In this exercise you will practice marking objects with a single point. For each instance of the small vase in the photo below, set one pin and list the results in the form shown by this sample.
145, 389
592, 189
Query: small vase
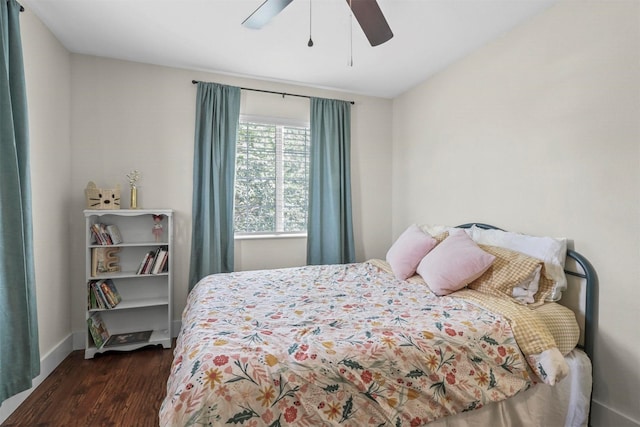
133, 202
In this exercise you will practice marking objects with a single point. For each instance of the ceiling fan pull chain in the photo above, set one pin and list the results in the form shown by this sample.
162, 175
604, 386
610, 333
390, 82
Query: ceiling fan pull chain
310, 43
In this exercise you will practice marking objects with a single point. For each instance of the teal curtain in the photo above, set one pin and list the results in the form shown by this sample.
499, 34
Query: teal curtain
217, 116
19, 352
329, 225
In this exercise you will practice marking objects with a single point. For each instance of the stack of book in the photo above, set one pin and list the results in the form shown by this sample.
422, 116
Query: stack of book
155, 262
102, 294
106, 234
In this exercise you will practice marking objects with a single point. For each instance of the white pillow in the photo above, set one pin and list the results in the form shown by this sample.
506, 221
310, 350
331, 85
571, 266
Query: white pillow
552, 251
436, 229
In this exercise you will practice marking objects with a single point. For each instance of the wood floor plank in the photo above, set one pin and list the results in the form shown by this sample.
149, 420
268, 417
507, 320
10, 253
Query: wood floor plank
112, 389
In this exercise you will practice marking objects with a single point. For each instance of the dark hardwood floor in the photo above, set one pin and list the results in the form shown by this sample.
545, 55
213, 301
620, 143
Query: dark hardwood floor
112, 389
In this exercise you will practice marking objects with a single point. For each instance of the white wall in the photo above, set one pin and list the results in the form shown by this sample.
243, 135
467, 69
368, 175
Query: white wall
127, 115
47, 74
539, 132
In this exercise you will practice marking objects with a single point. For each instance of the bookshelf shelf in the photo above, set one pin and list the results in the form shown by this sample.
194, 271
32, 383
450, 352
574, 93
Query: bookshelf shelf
125, 274
125, 245
125, 302
135, 303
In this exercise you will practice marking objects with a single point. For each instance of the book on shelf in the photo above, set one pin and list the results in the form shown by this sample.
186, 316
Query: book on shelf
97, 329
145, 262
103, 294
114, 234
100, 234
110, 292
106, 234
165, 264
128, 338
95, 298
95, 233
102, 339
154, 262
160, 261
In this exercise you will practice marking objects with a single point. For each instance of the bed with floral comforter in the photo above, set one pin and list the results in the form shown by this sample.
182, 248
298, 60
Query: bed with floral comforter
335, 345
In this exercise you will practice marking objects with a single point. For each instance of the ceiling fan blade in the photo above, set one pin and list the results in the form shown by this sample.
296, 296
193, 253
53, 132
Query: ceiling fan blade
265, 13
371, 20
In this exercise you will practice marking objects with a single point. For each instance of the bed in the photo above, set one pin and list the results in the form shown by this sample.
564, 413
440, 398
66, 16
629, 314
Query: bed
361, 344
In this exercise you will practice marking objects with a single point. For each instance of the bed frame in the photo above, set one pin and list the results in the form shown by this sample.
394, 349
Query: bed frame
583, 303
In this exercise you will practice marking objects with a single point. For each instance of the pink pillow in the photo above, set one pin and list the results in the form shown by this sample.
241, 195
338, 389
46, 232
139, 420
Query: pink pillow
454, 263
407, 251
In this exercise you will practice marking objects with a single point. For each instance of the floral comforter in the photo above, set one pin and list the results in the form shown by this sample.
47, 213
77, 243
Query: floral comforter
335, 345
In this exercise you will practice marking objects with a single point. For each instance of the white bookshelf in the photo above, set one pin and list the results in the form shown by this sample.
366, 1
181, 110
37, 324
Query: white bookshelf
146, 298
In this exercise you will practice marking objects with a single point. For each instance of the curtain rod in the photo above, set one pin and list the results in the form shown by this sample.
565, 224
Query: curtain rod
270, 91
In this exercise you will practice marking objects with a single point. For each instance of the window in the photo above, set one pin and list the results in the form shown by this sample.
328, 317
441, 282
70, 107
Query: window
272, 176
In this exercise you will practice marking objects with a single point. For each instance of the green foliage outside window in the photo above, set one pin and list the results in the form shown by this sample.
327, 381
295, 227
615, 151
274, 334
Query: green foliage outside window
272, 168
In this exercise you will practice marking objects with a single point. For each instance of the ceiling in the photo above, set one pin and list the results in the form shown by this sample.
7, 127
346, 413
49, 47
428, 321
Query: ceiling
207, 35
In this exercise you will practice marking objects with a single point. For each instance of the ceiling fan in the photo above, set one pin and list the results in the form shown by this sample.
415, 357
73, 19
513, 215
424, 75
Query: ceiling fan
367, 13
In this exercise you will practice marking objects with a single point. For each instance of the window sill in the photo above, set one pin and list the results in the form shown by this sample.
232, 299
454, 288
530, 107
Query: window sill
264, 236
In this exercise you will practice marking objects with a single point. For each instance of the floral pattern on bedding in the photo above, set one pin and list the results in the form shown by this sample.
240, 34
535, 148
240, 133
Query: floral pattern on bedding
334, 345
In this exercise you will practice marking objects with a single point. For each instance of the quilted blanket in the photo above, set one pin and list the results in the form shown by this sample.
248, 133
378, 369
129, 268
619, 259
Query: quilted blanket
335, 345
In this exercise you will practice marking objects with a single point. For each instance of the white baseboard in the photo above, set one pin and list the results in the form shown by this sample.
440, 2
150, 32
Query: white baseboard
48, 363
604, 416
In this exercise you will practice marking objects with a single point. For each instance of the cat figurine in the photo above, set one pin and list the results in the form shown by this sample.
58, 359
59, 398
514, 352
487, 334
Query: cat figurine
102, 198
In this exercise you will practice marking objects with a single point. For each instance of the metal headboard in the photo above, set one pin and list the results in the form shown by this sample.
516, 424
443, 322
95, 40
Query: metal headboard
589, 275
